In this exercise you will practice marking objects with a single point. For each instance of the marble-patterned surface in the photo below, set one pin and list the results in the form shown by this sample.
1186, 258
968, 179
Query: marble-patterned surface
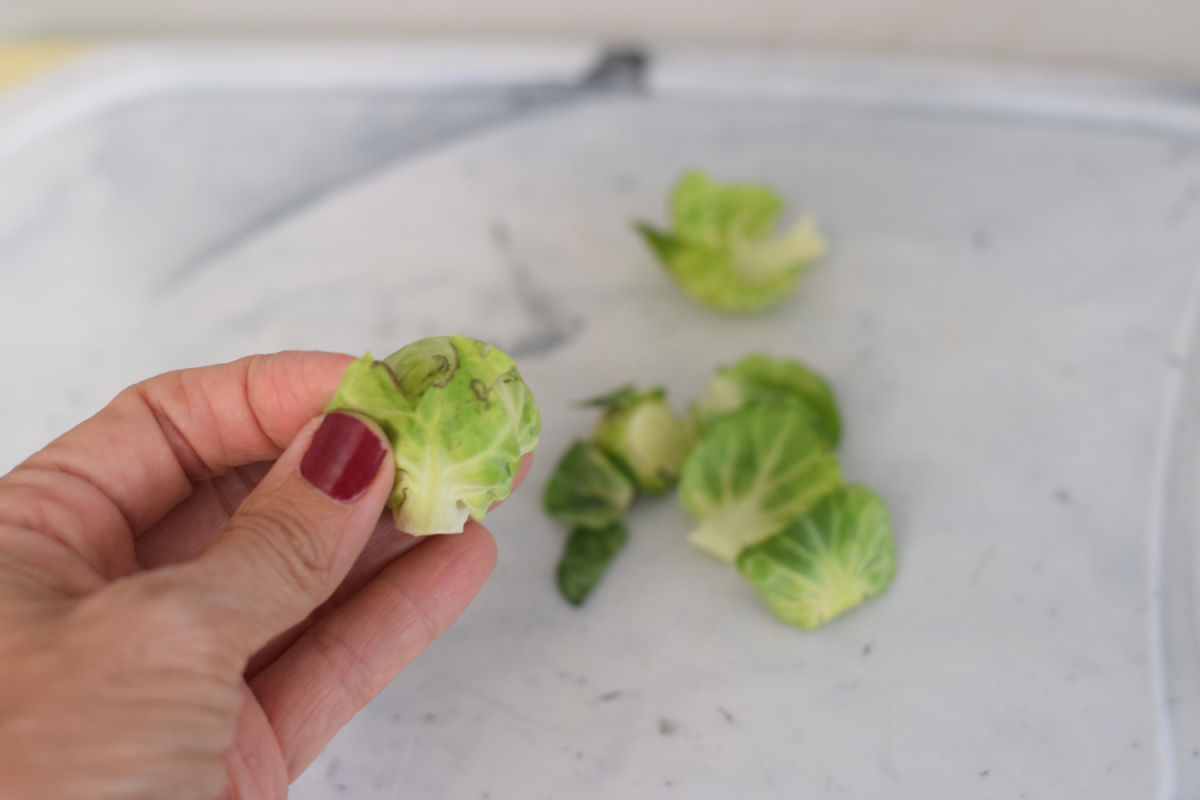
1003, 316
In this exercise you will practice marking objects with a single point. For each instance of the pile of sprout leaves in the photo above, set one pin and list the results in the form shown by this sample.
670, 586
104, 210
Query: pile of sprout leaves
755, 466
754, 461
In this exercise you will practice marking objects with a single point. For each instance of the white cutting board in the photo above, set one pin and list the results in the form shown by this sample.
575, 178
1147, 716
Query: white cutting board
1005, 315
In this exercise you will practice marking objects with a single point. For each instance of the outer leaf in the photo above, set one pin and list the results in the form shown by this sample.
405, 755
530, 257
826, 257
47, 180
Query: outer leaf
713, 214
645, 437
827, 562
459, 418
771, 381
368, 386
587, 489
625, 397
588, 553
722, 251
754, 472
665, 245
766, 261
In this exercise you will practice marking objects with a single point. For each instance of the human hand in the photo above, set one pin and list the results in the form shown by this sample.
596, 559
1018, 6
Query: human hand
179, 618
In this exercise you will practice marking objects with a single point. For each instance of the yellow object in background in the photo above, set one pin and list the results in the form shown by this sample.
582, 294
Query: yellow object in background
22, 61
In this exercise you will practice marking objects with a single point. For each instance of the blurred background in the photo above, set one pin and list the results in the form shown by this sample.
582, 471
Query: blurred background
1153, 37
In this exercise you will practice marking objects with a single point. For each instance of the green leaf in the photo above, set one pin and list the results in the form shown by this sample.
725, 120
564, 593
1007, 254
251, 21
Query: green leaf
664, 245
645, 437
588, 553
755, 471
623, 398
587, 488
771, 381
459, 418
715, 214
723, 251
827, 562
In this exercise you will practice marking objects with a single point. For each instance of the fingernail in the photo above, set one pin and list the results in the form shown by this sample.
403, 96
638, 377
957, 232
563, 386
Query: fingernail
343, 457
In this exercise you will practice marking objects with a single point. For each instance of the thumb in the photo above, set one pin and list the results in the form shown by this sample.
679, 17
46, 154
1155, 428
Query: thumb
295, 537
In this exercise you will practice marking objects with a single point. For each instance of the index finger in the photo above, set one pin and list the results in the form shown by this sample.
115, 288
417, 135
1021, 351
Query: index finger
146, 448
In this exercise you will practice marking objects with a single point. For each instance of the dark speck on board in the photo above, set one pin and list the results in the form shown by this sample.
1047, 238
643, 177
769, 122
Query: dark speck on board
726, 715
500, 235
866, 649
333, 767
1183, 205
667, 727
429, 716
984, 773
608, 697
1063, 496
543, 342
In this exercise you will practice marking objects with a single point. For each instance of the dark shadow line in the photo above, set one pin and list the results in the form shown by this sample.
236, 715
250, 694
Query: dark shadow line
616, 72
259, 223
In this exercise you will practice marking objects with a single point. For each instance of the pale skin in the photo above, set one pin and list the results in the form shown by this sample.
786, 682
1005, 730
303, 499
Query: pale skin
182, 614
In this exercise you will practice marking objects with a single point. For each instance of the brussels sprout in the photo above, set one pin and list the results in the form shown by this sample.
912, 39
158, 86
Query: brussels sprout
587, 556
755, 471
826, 562
644, 436
774, 381
587, 488
458, 416
722, 250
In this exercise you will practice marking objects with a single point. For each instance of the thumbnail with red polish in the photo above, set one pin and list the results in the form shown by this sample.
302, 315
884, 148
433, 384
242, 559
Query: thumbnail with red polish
343, 457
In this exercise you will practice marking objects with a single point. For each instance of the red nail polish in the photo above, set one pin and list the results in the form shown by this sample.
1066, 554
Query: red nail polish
343, 457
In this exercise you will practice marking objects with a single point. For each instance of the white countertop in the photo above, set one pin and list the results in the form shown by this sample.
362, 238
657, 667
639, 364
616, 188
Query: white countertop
1005, 316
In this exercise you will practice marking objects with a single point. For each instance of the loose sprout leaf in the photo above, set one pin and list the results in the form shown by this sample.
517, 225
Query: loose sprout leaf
664, 245
752, 473
587, 489
588, 553
771, 381
826, 562
713, 214
723, 250
761, 261
459, 418
645, 437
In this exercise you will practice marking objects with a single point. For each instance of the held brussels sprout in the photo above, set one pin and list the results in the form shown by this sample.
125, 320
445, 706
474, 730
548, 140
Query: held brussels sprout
587, 489
755, 471
587, 556
644, 436
826, 562
723, 251
458, 416
773, 381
